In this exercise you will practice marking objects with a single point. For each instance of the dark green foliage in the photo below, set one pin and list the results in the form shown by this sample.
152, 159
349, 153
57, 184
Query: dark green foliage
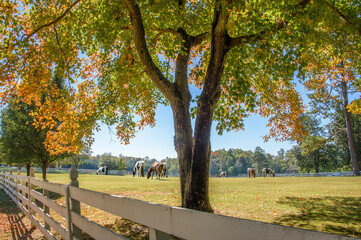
338, 129
112, 162
18, 136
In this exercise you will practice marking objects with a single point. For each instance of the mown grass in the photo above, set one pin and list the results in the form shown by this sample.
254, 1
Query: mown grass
328, 204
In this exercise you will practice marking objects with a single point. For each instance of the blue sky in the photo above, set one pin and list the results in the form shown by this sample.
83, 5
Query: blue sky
157, 142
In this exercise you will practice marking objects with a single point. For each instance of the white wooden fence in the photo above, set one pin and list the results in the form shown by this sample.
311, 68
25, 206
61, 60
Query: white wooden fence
162, 220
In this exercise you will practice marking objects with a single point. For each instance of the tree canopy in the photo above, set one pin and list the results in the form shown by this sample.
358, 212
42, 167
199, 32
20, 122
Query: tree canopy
123, 58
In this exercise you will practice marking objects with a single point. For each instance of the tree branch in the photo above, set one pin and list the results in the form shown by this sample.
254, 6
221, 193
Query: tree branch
62, 50
199, 38
57, 40
52, 22
219, 48
259, 36
154, 73
342, 16
162, 31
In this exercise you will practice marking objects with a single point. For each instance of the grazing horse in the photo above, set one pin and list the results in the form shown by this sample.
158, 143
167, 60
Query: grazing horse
103, 170
251, 172
139, 166
268, 171
223, 174
164, 172
156, 167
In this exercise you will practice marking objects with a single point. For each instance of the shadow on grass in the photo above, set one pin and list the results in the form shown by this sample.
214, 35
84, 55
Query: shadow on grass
339, 215
11, 214
128, 229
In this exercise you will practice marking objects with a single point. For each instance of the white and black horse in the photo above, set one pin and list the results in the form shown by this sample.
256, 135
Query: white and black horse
268, 171
223, 174
103, 171
139, 166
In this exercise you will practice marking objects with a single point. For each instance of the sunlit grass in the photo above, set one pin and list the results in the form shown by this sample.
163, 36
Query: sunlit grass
330, 204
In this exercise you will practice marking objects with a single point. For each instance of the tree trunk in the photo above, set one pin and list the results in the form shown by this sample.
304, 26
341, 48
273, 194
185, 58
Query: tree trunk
351, 144
317, 162
193, 156
183, 142
194, 169
28, 166
197, 194
44, 167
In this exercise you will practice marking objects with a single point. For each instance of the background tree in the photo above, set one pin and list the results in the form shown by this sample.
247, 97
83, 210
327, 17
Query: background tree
332, 82
242, 55
291, 161
172, 166
90, 163
112, 162
278, 163
24, 136
259, 160
337, 129
312, 149
77, 159
316, 152
17, 135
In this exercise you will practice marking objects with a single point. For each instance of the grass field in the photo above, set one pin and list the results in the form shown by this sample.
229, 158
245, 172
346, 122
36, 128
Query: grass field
328, 204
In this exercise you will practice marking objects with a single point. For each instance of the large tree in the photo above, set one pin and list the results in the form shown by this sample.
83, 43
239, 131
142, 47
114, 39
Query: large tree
23, 137
128, 56
337, 129
17, 135
337, 81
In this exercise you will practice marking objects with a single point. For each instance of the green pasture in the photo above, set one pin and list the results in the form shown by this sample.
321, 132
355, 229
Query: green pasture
328, 204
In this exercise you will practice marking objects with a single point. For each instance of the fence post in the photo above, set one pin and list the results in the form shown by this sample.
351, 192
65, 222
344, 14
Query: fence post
10, 180
158, 235
75, 205
30, 198
45, 207
18, 191
68, 211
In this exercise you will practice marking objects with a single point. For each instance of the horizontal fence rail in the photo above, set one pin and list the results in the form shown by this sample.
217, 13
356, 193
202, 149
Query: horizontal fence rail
162, 220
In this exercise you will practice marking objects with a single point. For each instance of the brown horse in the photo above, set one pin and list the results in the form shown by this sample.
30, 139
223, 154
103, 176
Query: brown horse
156, 167
251, 172
268, 171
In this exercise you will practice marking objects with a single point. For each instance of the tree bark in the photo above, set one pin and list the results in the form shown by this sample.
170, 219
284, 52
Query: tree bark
28, 166
196, 195
44, 167
351, 144
183, 142
317, 161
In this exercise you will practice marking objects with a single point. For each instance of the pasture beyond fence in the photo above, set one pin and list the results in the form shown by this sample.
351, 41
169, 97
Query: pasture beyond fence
125, 172
162, 220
